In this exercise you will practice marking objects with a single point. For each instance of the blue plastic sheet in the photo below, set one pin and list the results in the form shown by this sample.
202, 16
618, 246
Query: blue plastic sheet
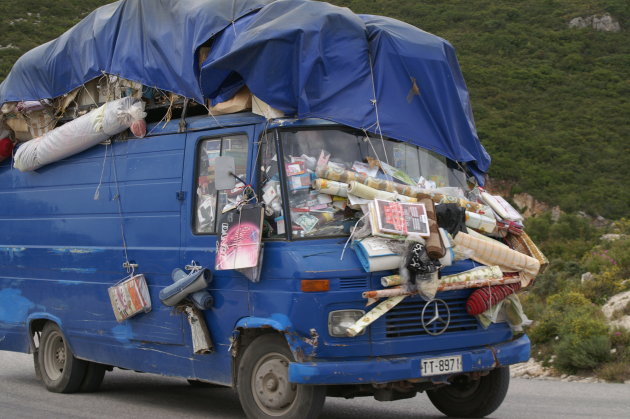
150, 41
306, 58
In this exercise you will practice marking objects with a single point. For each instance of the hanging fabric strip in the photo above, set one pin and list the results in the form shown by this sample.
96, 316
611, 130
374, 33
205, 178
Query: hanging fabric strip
374, 315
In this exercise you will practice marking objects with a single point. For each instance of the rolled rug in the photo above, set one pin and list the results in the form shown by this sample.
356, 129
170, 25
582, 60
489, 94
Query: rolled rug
479, 274
347, 176
440, 198
498, 254
367, 192
330, 187
483, 298
374, 315
391, 280
524, 244
340, 175
480, 222
202, 300
454, 282
434, 245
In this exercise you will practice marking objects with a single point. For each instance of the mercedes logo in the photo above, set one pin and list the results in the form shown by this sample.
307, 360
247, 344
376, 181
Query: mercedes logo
435, 317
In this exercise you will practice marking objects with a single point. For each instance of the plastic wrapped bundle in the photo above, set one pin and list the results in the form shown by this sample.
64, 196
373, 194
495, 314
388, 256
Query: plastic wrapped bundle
80, 134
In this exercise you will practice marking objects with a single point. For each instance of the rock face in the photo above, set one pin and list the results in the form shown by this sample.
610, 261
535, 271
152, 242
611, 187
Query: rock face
528, 205
611, 237
605, 23
616, 305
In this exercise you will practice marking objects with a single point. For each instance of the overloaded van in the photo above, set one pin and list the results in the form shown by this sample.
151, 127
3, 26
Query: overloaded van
277, 332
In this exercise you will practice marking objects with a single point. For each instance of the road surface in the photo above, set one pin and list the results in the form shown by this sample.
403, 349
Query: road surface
126, 394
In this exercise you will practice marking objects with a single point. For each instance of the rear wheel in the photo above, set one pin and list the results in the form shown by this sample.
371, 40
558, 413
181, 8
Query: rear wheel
203, 384
468, 398
60, 371
94, 374
264, 388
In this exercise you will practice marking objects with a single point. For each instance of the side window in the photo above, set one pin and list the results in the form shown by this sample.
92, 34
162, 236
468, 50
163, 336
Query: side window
209, 203
274, 226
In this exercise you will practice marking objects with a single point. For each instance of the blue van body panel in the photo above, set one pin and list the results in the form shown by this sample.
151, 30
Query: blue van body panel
62, 247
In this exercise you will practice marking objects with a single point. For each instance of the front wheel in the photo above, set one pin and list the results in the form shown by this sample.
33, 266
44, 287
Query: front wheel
263, 383
468, 398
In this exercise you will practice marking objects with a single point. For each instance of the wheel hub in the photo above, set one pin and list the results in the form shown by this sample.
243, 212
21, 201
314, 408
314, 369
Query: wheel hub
60, 356
271, 384
55, 356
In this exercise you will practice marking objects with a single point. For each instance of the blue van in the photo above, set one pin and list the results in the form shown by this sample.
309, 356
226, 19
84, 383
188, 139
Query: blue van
355, 89
280, 342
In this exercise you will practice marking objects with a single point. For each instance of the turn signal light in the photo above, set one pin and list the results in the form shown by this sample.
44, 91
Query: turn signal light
315, 285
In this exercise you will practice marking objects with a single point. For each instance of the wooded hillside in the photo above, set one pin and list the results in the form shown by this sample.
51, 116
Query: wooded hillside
551, 102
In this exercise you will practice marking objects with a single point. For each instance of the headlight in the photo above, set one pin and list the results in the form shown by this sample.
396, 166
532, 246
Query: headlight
339, 321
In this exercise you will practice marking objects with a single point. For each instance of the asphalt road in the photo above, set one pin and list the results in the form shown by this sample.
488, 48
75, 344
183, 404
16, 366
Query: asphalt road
126, 394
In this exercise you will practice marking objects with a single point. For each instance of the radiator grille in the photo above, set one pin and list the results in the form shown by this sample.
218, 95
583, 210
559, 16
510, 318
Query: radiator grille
405, 319
353, 283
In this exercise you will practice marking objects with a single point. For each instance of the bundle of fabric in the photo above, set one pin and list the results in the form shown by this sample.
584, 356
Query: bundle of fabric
483, 298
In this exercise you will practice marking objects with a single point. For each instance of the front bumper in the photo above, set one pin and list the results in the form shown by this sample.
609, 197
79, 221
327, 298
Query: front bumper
386, 369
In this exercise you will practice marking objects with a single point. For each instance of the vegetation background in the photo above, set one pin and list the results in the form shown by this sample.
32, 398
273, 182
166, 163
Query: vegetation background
552, 107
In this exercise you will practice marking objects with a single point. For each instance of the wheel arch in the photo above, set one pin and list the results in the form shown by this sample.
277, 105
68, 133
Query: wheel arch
36, 322
247, 329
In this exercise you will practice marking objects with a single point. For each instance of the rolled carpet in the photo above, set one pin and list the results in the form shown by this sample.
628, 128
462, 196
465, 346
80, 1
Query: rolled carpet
434, 245
483, 298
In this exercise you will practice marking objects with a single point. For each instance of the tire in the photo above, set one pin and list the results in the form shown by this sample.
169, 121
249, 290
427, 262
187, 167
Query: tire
203, 384
38, 370
263, 386
466, 398
94, 374
60, 371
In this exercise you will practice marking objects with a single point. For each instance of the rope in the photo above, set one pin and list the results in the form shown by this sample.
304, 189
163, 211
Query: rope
120, 213
375, 103
354, 229
97, 193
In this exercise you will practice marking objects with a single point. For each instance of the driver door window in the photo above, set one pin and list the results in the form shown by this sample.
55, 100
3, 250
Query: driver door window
208, 201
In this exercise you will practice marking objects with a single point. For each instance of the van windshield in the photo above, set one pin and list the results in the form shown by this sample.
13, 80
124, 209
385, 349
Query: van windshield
317, 214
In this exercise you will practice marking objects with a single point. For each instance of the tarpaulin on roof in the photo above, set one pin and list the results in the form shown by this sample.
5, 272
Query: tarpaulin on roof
149, 41
307, 58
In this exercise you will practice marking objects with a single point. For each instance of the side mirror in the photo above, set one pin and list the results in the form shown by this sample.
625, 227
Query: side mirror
224, 170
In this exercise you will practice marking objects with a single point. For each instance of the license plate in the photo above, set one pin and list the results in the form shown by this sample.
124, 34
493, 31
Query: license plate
441, 365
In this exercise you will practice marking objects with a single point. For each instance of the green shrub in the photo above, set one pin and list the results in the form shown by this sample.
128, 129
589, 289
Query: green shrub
560, 276
568, 313
616, 372
574, 354
620, 343
602, 286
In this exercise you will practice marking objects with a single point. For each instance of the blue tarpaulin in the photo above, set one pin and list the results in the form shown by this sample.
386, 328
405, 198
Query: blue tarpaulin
306, 58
